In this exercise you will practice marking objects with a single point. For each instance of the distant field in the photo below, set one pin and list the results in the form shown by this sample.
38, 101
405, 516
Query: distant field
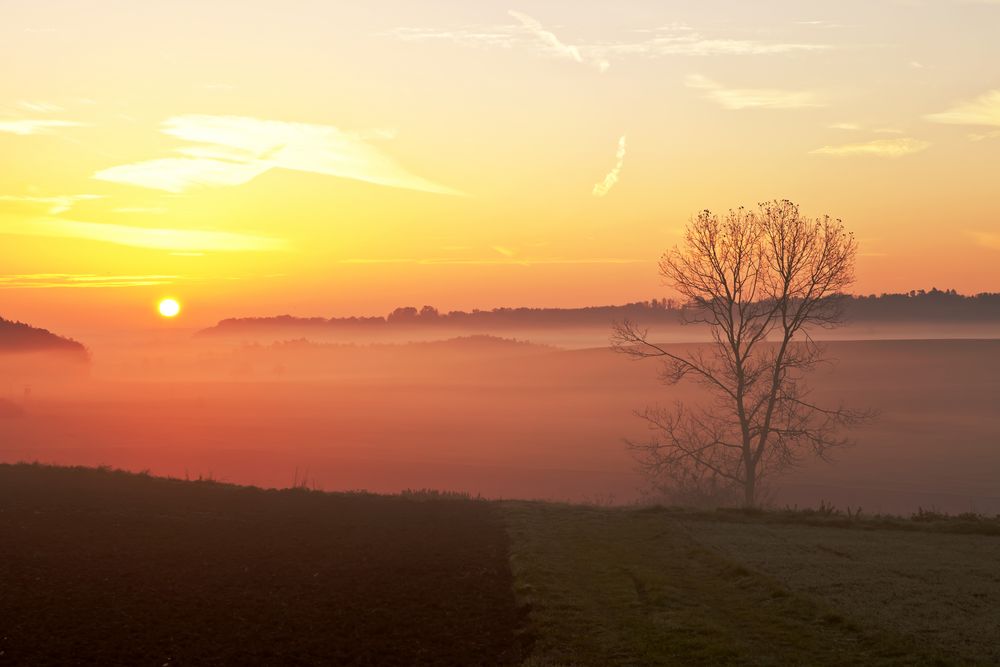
100, 567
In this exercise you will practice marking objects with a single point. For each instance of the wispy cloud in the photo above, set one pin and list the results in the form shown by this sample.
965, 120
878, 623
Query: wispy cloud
513, 261
889, 148
528, 33
180, 174
982, 136
682, 40
986, 239
753, 98
150, 210
26, 126
218, 87
984, 110
821, 23
51, 205
38, 107
602, 188
77, 280
503, 250
546, 38
233, 150
858, 127
180, 240
665, 41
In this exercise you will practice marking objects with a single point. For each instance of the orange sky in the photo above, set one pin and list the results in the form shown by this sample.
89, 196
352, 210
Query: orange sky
256, 158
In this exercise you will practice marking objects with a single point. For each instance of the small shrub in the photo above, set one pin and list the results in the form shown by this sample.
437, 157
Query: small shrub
434, 494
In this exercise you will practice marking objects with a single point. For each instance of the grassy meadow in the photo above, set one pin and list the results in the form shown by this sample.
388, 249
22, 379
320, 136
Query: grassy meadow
673, 587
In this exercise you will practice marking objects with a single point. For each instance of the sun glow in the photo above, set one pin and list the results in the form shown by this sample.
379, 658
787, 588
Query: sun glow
169, 307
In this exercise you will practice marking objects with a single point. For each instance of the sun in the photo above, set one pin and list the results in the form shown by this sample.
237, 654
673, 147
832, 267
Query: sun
169, 307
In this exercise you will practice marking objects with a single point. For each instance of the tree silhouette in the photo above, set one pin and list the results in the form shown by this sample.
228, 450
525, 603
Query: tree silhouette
761, 280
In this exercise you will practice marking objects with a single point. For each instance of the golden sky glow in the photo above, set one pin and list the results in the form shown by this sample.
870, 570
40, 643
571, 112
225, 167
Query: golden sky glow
327, 158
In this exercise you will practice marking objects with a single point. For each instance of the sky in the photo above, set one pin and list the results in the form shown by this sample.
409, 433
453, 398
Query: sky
318, 158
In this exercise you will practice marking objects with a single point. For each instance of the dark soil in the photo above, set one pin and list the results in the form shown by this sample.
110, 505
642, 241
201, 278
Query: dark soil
102, 567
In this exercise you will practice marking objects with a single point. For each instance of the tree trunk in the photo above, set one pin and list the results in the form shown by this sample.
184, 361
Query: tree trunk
750, 486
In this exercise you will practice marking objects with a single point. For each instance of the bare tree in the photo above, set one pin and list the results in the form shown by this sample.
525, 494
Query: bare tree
762, 281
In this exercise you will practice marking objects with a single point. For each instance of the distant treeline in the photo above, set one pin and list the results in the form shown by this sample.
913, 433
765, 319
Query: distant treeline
924, 306
20, 337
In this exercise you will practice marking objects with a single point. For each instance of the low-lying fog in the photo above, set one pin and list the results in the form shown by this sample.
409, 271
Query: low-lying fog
488, 415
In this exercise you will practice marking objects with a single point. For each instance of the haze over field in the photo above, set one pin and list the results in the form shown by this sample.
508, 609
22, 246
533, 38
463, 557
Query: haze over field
489, 415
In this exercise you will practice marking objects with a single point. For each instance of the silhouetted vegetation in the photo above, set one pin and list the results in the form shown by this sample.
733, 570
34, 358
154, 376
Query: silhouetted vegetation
933, 306
759, 280
472, 344
20, 337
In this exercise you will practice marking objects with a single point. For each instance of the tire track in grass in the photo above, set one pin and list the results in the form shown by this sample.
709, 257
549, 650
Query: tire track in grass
627, 587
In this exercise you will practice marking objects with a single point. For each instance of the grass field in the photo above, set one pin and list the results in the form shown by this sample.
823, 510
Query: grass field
655, 586
941, 589
103, 567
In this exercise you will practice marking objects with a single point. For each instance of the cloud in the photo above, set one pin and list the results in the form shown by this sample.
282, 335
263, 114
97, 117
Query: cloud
855, 126
528, 33
822, 23
986, 239
180, 174
602, 188
26, 126
982, 136
232, 150
752, 98
890, 148
548, 39
506, 252
218, 87
52, 205
515, 261
38, 107
56, 280
151, 210
984, 110
502, 36
181, 240
666, 41
681, 40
